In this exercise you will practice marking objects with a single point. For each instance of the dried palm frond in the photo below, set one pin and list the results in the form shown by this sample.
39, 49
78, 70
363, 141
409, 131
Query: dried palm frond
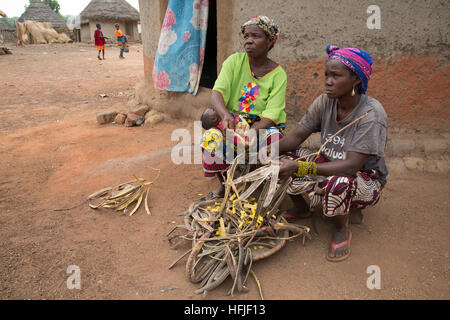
123, 196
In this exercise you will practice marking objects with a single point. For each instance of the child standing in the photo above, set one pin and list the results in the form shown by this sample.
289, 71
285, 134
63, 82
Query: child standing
99, 41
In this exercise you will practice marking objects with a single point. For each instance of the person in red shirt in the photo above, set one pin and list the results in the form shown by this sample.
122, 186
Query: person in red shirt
100, 41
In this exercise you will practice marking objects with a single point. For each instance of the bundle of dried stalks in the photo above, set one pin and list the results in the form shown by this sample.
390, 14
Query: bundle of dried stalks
123, 196
39, 33
22, 34
229, 234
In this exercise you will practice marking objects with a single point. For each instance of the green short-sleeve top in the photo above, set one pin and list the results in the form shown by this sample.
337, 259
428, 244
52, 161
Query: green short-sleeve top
243, 93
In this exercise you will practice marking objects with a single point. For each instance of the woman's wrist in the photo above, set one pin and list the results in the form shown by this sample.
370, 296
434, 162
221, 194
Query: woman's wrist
264, 123
293, 166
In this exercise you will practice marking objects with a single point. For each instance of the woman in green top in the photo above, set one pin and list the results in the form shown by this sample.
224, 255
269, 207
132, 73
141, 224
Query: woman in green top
252, 86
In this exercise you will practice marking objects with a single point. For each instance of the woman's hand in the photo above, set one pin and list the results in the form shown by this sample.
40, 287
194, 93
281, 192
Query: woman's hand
218, 105
288, 168
228, 122
264, 123
251, 139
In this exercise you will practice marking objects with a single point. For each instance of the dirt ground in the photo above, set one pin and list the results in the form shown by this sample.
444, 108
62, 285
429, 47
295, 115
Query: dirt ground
54, 155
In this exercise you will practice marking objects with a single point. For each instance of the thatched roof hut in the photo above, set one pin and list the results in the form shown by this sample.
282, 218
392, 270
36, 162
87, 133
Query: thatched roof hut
117, 10
107, 13
39, 11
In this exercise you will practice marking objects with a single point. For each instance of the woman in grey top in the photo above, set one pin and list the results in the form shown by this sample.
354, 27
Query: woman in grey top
351, 171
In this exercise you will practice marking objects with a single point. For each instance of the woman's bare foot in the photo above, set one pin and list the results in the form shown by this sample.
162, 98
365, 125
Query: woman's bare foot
300, 210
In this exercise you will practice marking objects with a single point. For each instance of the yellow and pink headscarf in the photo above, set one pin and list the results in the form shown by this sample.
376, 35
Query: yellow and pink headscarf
267, 25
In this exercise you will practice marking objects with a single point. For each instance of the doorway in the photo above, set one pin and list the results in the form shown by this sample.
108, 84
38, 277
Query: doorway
129, 30
209, 71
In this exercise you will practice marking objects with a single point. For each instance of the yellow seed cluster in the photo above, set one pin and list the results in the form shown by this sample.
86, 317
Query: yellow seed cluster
257, 247
245, 218
245, 211
221, 231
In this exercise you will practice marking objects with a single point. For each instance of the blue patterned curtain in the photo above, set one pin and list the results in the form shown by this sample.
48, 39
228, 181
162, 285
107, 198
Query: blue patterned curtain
181, 48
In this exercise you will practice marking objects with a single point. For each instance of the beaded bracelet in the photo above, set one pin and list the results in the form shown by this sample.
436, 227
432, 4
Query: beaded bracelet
306, 169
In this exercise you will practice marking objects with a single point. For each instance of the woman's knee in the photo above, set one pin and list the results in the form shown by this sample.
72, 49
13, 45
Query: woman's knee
336, 185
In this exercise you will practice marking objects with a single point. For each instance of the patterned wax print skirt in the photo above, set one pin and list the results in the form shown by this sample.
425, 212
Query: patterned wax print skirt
337, 194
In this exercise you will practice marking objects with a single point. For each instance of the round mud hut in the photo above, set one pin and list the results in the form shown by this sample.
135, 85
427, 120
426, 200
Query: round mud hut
7, 33
40, 12
108, 13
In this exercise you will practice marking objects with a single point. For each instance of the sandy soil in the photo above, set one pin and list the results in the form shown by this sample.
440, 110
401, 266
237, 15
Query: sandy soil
54, 155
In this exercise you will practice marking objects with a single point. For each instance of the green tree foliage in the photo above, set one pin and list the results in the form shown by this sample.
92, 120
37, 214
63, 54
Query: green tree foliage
53, 4
11, 21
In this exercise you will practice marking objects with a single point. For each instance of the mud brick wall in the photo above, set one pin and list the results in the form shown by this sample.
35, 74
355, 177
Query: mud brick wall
411, 49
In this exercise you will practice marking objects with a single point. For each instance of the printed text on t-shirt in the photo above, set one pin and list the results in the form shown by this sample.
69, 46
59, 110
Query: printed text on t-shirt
332, 152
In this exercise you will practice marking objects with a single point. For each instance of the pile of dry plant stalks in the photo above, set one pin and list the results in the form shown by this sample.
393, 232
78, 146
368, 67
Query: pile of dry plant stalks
122, 197
231, 233
33, 32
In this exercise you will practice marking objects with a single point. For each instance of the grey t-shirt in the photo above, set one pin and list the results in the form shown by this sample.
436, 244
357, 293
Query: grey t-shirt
368, 135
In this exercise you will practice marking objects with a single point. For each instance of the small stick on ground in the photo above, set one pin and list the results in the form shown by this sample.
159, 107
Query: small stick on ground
257, 283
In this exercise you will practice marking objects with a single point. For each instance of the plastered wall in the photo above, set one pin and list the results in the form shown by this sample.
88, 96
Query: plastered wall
411, 49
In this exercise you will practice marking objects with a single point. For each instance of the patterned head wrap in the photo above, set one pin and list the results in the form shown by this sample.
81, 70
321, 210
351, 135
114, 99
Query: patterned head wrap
357, 60
267, 25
